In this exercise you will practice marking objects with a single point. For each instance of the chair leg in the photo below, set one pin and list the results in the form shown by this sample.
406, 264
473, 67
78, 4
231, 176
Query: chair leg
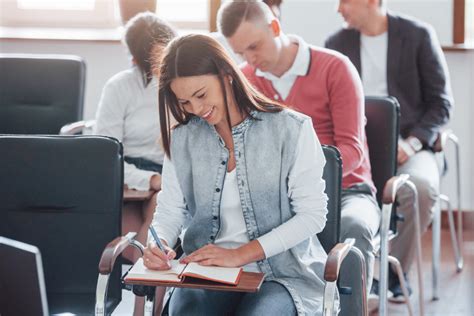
363, 269
101, 293
436, 255
383, 278
398, 269
330, 307
452, 230
149, 309
459, 260
418, 248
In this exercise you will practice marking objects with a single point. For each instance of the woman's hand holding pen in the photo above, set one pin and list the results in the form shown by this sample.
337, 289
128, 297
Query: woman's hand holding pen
154, 258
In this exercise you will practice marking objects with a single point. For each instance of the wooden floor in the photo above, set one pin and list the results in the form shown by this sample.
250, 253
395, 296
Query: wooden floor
456, 294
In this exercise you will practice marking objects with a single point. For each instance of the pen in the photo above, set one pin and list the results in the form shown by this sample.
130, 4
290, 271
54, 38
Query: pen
157, 239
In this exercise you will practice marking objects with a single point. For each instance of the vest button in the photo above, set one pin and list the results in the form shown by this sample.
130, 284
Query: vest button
218, 190
214, 217
223, 162
212, 237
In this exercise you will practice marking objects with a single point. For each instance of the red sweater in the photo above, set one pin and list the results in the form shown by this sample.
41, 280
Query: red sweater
331, 94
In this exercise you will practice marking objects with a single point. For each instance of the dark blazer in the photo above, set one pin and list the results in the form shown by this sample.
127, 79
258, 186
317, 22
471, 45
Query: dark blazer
417, 74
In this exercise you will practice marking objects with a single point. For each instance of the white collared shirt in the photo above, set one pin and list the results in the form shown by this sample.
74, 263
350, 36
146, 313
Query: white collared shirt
299, 67
128, 111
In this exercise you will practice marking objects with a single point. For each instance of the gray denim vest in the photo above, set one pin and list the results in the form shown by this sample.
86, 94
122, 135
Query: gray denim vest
265, 147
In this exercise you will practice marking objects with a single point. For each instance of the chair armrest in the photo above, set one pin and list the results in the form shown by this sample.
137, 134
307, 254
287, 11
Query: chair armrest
331, 274
335, 258
114, 249
106, 265
392, 186
76, 127
443, 137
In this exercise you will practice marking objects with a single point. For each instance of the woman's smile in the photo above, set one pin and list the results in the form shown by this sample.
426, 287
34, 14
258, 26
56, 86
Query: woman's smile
208, 114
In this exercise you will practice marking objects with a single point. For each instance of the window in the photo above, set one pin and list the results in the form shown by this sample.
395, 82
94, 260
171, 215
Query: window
463, 21
469, 23
58, 13
188, 14
56, 5
184, 14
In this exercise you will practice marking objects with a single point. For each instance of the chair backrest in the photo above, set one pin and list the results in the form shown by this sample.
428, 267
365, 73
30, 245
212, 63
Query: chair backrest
63, 194
22, 289
382, 138
40, 93
332, 174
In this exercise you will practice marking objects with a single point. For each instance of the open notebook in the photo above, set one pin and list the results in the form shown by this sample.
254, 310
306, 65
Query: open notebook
179, 272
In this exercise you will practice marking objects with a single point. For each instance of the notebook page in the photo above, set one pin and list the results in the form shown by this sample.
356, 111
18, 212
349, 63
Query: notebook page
140, 272
217, 274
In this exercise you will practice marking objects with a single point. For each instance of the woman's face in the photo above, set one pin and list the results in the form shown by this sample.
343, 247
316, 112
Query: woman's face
203, 97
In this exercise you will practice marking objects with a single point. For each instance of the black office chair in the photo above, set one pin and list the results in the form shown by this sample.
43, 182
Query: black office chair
382, 132
338, 251
63, 194
40, 93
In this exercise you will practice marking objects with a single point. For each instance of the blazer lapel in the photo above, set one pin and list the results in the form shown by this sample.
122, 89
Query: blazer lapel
394, 49
353, 49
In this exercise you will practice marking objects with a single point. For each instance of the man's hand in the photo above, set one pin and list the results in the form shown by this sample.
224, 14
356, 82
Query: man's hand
402, 156
212, 255
405, 151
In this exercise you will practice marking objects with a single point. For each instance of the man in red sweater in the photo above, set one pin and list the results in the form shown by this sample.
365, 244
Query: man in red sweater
322, 84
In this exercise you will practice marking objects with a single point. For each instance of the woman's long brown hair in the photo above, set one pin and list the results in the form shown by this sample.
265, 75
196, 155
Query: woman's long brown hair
197, 55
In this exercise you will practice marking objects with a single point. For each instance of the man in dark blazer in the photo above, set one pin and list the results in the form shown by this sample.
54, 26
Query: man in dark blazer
401, 57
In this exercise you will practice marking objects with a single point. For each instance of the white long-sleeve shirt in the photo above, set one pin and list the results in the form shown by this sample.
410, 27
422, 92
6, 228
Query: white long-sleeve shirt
304, 179
128, 111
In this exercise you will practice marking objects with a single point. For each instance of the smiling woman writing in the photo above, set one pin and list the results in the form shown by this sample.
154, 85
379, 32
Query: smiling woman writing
243, 175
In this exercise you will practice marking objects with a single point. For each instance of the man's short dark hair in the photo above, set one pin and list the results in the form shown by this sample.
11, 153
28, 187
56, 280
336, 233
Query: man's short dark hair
233, 13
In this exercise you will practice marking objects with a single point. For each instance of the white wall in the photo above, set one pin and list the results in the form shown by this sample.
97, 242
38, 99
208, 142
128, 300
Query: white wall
312, 19
315, 19
461, 68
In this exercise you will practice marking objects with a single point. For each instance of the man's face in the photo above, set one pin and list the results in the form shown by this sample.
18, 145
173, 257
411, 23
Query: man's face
354, 12
258, 43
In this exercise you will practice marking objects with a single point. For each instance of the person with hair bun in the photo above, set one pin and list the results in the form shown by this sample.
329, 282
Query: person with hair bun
128, 110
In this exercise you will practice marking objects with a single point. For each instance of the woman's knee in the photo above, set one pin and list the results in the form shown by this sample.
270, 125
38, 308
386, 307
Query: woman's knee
185, 301
198, 302
272, 299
